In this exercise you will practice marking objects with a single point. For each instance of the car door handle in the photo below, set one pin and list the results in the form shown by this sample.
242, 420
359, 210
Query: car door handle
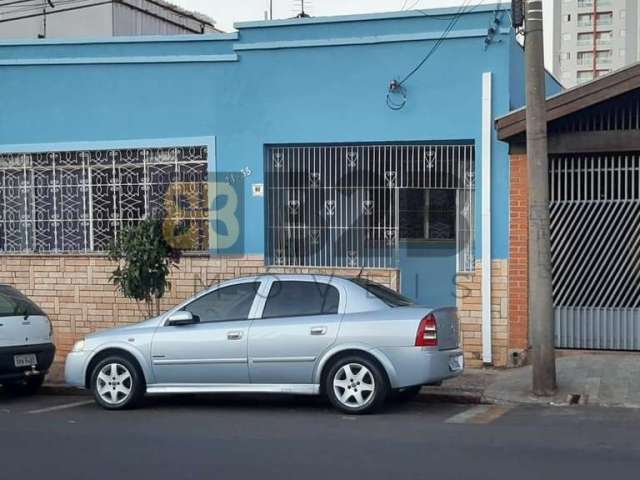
318, 330
234, 335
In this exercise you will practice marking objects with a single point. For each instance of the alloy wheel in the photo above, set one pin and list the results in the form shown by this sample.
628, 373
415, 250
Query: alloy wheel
114, 383
354, 385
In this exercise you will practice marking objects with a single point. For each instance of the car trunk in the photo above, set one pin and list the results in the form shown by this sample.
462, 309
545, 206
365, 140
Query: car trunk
24, 330
22, 322
448, 330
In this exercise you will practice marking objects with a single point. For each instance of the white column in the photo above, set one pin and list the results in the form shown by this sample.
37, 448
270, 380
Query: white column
485, 185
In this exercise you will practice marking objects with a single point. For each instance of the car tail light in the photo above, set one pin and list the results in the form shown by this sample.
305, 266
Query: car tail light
427, 335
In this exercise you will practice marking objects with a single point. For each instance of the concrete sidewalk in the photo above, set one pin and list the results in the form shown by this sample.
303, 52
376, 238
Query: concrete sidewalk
601, 379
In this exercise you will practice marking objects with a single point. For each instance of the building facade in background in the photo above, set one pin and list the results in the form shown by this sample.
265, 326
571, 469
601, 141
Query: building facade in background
593, 38
323, 169
98, 18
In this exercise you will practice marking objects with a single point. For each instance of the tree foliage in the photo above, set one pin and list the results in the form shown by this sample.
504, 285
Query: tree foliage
144, 259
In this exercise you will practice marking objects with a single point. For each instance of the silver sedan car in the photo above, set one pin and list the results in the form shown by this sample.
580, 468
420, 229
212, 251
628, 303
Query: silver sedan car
353, 340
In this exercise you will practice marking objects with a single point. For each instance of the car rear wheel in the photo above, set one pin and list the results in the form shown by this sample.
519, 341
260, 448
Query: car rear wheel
117, 383
356, 385
27, 386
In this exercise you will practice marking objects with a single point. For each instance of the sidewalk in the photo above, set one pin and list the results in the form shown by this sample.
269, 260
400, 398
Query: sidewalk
601, 379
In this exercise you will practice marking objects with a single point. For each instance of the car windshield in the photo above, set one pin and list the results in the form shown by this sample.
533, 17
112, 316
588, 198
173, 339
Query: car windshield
14, 303
388, 296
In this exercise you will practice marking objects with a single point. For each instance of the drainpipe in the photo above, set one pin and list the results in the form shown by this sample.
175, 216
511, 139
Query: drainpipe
486, 217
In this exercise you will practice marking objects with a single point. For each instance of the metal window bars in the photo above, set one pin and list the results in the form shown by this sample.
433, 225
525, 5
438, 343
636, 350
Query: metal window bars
76, 201
337, 205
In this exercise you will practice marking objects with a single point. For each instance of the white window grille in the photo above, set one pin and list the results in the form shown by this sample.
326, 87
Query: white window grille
77, 201
338, 205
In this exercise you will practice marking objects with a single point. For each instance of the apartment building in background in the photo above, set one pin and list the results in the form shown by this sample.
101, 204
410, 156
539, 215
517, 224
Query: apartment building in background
593, 38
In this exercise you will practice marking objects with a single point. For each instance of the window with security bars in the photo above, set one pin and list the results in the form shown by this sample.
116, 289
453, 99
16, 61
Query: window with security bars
77, 201
340, 205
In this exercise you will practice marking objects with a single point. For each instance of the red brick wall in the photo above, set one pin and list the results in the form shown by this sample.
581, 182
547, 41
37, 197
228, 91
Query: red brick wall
518, 255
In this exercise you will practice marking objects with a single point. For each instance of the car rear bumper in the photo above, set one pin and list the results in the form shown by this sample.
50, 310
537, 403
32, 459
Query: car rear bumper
422, 365
44, 353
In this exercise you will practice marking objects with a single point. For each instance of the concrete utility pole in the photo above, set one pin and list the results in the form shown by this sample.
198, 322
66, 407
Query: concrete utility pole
540, 299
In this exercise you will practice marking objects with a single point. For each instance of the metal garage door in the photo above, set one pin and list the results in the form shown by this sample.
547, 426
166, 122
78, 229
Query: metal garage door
595, 249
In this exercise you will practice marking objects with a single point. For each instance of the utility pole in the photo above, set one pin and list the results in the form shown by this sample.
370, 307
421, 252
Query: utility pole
540, 295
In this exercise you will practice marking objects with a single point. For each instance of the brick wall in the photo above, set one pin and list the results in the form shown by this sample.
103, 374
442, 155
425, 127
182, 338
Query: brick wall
76, 292
518, 255
470, 313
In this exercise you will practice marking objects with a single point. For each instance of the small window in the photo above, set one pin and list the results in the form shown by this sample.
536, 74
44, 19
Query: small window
225, 304
427, 214
388, 296
13, 303
568, 17
294, 299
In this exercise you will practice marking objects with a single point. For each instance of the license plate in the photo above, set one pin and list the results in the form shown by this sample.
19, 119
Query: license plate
456, 363
26, 360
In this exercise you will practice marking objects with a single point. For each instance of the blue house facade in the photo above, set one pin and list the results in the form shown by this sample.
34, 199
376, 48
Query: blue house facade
281, 147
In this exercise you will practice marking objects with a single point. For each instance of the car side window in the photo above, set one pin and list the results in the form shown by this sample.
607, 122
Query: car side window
293, 299
225, 304
7, 307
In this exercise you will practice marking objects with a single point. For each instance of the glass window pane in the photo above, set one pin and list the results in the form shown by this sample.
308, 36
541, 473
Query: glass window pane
290, 299
412, 213
225, 304
12, 302
442, 215
388, 296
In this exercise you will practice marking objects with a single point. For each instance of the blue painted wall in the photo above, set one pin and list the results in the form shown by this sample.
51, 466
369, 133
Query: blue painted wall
517, 78
427, 272
303, 81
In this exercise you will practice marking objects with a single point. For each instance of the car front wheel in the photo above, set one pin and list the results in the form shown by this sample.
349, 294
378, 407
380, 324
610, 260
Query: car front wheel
117, 383
356, 385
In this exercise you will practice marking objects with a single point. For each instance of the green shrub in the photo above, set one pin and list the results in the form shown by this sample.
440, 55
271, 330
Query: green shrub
144, 259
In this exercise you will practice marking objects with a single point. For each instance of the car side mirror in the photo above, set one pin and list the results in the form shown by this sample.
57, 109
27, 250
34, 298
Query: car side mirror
183, 317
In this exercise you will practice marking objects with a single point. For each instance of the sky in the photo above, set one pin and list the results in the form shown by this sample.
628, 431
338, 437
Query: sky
226, 12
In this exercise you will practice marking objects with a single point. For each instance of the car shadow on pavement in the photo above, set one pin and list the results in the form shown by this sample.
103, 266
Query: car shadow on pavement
276, 403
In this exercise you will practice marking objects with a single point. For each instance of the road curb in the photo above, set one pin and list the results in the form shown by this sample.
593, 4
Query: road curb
465, 397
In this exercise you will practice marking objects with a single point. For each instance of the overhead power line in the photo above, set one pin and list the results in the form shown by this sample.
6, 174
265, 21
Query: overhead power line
396, 87
52, 12
17, 2
452, 23
18, 9
33, 11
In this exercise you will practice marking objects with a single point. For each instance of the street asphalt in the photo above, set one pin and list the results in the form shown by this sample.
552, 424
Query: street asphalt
239, 437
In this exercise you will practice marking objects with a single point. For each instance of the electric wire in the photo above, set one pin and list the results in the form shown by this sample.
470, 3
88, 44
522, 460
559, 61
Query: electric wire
452, 23
17, 2
397, 88
33, 11
38, 7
